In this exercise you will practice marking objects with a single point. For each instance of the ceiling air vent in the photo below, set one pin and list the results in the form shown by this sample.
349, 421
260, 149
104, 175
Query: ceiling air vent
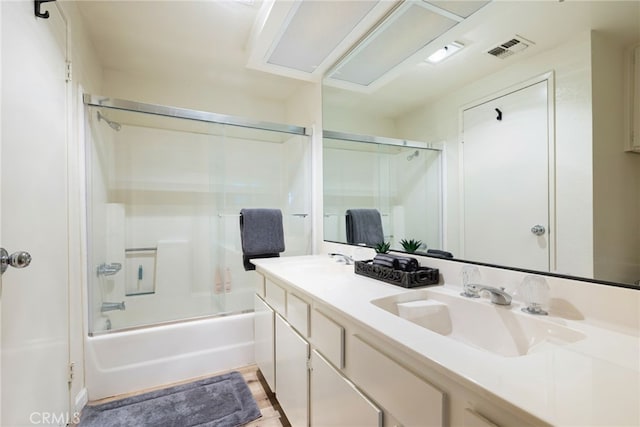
510, 47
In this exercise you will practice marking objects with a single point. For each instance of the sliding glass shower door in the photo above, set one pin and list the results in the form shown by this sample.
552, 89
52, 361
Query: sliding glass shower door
164, 196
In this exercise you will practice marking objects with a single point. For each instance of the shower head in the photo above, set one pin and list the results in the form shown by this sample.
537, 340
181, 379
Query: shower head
113, 125
412, 155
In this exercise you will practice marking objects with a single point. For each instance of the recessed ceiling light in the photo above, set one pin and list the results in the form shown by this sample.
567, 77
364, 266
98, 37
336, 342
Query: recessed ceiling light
444, 52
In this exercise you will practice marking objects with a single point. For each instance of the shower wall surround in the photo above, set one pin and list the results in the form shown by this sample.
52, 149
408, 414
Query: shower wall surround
164, 199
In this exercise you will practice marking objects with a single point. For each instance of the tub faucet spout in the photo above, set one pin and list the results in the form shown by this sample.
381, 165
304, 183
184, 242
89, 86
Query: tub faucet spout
110, 306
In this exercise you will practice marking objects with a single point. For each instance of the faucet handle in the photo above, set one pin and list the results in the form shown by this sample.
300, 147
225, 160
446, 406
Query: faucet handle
470, 290
470, 277
535, 293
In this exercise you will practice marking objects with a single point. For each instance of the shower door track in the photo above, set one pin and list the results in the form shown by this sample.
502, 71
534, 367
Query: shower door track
171, 322
184, 113
383, 140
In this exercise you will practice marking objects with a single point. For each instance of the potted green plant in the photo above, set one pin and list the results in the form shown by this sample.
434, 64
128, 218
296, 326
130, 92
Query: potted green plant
411, 245
383, 248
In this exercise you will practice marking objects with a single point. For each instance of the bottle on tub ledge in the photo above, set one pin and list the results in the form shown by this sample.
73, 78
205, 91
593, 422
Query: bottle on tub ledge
218, 284
227, 280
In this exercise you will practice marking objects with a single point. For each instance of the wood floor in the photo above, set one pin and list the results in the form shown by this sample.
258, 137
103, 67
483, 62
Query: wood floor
272, 414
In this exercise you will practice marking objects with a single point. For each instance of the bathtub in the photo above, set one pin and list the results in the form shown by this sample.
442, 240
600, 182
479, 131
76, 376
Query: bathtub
127, 361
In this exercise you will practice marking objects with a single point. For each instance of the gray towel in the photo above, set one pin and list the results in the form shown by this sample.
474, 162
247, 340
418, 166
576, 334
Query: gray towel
261, 234
439, 253
385, 260
396, 262
364, 226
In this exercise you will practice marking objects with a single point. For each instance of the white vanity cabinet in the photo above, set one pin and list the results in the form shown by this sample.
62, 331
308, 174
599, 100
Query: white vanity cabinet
307, 379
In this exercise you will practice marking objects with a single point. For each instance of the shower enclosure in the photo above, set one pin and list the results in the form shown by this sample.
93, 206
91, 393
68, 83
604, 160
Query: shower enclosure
164, 190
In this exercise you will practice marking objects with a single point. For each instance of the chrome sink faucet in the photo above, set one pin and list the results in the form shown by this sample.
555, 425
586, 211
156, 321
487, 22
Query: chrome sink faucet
342, 258
498, 295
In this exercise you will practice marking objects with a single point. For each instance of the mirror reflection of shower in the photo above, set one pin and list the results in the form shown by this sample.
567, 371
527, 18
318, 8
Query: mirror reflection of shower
412, 155
113, 125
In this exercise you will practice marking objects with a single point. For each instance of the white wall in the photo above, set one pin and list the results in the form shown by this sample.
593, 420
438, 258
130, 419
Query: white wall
571, 66
207, 95
357, 122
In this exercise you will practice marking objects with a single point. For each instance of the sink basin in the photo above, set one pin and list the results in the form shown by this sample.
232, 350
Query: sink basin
501, 330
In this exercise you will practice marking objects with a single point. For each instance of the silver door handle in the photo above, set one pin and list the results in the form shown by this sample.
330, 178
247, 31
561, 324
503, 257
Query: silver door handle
538, 230
17, 259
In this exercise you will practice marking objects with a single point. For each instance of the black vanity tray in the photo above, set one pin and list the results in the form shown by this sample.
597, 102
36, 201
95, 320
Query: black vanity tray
424, 276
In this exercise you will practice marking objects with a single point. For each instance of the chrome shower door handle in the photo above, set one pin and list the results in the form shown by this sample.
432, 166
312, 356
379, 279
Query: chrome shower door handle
19, 259
538, 230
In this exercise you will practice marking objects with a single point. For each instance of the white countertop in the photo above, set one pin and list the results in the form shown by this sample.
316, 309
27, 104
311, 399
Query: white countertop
592, 382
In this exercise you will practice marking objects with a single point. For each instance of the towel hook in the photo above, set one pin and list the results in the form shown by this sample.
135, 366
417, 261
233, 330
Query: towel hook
37, 5
499, 118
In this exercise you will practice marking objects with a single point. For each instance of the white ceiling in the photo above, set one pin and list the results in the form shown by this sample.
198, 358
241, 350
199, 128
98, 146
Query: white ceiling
207, 41
201, 40
547, 23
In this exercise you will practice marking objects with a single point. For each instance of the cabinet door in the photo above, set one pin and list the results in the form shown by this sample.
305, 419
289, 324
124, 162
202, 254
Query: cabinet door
292, 375
335, 401
264, 341
409, 398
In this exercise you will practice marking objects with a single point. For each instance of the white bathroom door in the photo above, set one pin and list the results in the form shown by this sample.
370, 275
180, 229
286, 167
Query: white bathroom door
33, 216
505, 164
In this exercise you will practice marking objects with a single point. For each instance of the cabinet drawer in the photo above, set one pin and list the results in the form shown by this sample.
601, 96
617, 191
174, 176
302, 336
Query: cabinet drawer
410, 399
298, 314
328, 336
275, 296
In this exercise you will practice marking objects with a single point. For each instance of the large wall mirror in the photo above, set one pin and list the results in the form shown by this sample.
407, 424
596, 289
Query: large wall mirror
531, 111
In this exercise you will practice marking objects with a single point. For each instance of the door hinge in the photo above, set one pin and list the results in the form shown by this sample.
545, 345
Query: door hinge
68, 72
309, 365
71, 372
